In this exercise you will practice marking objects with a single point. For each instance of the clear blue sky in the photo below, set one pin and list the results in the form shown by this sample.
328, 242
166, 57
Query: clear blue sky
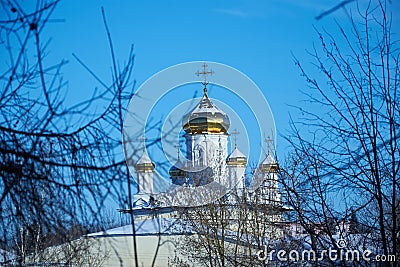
255, 37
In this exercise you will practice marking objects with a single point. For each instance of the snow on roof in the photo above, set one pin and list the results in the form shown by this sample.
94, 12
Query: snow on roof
144, 159
268, 160
156, 226
142, 200
236, 154
206, 105
164, 226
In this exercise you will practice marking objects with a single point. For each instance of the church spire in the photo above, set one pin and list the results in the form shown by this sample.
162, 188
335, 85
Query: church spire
206, 117
235, 133
269, 142
144, 163
178, 148
143, 140
269, 163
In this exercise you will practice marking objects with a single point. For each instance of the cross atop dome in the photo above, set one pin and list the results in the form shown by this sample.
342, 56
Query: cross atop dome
269, 142
204, 73
205, 117
178, 148
143, 140
235, 133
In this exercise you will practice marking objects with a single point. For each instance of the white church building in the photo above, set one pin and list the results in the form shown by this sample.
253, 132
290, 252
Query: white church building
207, 173
207, 164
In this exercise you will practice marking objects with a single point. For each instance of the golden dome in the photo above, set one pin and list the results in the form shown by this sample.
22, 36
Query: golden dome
206, 118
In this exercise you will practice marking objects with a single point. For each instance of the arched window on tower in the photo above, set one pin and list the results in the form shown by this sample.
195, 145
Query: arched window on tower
199, 156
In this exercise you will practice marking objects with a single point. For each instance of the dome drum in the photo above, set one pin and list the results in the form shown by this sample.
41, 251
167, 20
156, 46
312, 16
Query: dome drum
236, 161
273, 167
175, 171
145, 167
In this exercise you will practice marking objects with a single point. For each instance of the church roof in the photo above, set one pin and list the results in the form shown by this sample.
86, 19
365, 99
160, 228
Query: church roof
141, 200
269, 164
236, 158
268, 160
144, 159
206, 117
236, 154
147, 227
144, 163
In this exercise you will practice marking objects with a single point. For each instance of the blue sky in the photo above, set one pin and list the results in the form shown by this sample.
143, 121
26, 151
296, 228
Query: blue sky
259, 38
255, 37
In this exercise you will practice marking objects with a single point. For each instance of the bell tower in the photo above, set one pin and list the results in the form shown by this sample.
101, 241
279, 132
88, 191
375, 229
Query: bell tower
145, 170
206, 135
269, 170
236, 165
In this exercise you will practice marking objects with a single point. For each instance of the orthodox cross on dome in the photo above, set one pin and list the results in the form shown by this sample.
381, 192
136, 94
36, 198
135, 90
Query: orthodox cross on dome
235, 133
204, 73
269, 141
143, 140
178, 147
